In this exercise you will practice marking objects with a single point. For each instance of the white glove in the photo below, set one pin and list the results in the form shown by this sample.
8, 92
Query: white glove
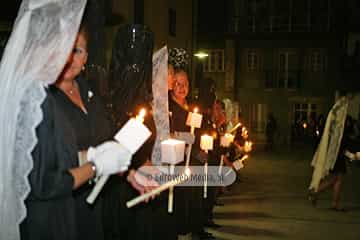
109, 158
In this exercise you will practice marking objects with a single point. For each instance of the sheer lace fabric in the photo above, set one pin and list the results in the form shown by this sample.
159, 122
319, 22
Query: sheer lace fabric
42, 38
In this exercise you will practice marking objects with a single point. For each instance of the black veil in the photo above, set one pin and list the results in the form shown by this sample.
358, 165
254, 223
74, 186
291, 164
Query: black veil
131, 70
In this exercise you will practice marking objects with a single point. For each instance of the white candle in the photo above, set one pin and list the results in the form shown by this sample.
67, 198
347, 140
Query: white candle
194, 119
172, 151
238, 164
206, 142
205, 179
248, 146
184, 177
132, 136
221, 164
226, 140
171, 192
134, 133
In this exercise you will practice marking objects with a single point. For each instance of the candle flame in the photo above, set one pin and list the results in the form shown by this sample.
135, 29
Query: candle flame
141, 115
196, 110
305, 125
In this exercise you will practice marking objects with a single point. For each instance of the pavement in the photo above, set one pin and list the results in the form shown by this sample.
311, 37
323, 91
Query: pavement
269, 201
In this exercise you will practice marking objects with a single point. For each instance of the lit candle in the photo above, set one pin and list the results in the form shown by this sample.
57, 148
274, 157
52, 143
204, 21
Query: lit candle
172, 152
132, 136
134, 133
226, 140
238, 164
182, 178
193, 120
206, 144
248, 146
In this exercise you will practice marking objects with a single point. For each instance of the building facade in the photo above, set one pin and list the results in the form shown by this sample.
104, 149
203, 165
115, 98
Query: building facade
282, 57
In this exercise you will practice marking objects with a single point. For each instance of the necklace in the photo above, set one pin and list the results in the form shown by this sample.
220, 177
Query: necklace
73, 87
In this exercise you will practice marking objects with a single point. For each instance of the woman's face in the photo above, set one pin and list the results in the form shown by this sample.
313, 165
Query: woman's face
181, 86
170, 77
77, 58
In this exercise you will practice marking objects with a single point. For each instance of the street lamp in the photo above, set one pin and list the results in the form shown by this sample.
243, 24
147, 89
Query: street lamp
201, 55
199, 68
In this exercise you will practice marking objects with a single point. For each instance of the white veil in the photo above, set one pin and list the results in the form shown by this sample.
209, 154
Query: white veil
42, 38
160, 101
326, 153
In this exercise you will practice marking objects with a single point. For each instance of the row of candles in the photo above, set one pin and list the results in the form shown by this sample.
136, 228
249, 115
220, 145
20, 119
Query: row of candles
133, 135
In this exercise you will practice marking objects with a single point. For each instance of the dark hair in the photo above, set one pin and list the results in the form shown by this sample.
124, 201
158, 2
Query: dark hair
83, 29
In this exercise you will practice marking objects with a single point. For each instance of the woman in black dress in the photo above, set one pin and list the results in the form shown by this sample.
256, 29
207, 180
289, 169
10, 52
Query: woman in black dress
56, 204
188, 200
87, 116
131, 69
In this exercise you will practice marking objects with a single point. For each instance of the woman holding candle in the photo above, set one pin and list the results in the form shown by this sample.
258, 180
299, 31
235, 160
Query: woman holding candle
85, 112
39, 134
187, 200
131, 69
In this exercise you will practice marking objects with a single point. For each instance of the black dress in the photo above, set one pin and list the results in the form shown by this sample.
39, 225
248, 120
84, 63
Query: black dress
187, 200
51, 206
141, 221
90, 129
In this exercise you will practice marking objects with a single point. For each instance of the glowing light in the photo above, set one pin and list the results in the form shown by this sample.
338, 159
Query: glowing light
140, 117
201, 55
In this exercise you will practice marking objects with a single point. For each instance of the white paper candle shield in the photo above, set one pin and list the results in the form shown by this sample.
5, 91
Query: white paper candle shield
194, 120
133, 135
172, 151
206, 142
226, 140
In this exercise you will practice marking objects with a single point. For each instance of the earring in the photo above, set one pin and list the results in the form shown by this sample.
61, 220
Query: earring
83, 68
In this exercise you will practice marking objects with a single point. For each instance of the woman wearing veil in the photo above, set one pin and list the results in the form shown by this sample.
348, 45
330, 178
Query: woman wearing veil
187, 202
35, 136
131, 79
84, 111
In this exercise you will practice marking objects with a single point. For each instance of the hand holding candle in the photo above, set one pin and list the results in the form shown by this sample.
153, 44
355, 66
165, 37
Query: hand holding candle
225, 141
193, 120
172, 152
132, 136
206, 144
182, 178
